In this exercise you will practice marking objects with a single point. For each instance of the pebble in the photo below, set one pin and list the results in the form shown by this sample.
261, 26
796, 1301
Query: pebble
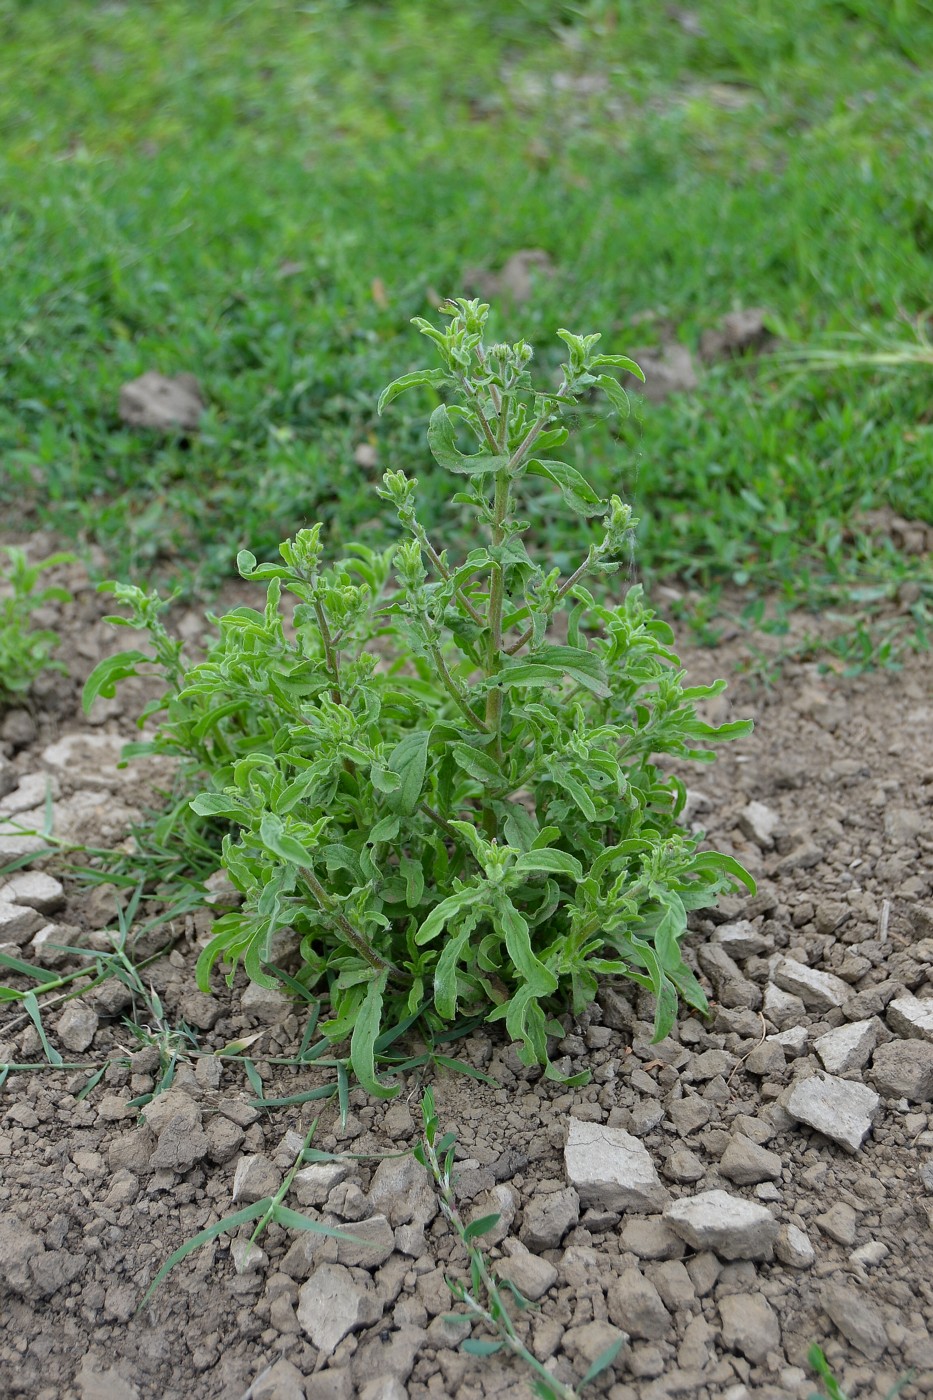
247, 1257
904, 1069
848, 1047
782, 1009
650, 1238
265, 1004
18, 923
908, 1016
636, 1306
819, 991
281, 1381
840, 1222
759, 823
35, 890
255, 1178
531, 1275
77, 1026
837, 1108
402, 1191
746, 1163
793, 1247
793, 1041
548, 1218
858, 1320
733, 1227
749, 1325
870, 1254
332, 1304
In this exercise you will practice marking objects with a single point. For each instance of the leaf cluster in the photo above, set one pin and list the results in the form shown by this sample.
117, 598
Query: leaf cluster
25, 650
440, 778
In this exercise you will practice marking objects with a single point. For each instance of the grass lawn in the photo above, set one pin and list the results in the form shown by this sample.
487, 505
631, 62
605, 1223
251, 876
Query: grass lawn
264, 194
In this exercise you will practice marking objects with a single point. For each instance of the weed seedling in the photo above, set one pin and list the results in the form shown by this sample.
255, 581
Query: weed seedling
26, 651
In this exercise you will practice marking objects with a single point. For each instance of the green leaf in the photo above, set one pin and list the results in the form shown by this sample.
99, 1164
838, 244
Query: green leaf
229, 1222
408, 760
540, 980
481, 1226
106, 674
442, 913
577, 492
276, 839
413, 875
444, 450
550, 862
620, 362
31, 1007
478, 1346
385, 830
363, 1040
615, 394
433, 378
478, 764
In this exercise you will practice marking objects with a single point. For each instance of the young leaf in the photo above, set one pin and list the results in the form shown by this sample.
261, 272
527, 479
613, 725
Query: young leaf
107, 674
444, 450
434, 378
408, 760
363, 1040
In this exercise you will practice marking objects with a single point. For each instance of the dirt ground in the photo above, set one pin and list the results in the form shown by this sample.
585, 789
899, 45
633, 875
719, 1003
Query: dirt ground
828, 803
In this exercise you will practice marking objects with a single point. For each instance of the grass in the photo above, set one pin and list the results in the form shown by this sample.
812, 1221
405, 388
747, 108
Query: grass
264, 194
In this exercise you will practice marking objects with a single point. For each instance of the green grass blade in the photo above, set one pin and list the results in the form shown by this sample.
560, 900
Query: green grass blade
25, 969
31, 1007
229, 1222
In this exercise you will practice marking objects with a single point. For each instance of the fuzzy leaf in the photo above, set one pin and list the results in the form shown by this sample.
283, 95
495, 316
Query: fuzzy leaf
107, 673
444, 450
433, 378
550, 862
408, 760
575, 489
364, 1037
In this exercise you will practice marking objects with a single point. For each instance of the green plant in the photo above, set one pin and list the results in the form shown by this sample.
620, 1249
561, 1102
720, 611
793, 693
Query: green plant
484, 1299
833, 1390
25, 652
445, 790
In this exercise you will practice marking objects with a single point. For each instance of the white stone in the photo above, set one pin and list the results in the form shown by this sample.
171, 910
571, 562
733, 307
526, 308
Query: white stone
820, 991
332, 1304
48, 946
911, 1017
611, 1168
759, 824
18, 924
265, 1003
312, 1185
870, 1254
838, 1108
782, 1009
793, 1041
18, 838
77, 1027
793, 1247
87, 760
531, 1275
30, 794
740, 939
247, 1256
848, 1047
733, 1227
34, 889
749, 1325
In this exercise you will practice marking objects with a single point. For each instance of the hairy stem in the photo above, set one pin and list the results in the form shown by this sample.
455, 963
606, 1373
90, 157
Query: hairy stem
352, 935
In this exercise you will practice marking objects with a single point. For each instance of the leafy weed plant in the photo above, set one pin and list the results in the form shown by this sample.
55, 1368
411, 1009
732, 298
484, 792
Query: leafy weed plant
441, 777
26, 651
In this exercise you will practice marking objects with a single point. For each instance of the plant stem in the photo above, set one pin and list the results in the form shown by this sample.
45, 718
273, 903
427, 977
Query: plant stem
444, 572
562, 592
352, 935
494, 613
455, 693
333, 664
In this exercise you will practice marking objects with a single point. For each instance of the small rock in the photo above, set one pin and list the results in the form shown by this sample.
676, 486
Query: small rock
265, 1004
87, 760
312, 1185
247, 1257
531, 1275
502, 1200
782, 1009
155, 400
870, 1254
903, 824
373, 1242
98, 1382
793, 1248
18, 923
759, 824
255, 1178
848, 1047
635, 1305
740, 939
858, 1321
911, 1017
819, 991
401, 1189
837, 1108
224, 1139
589, 1342
733, 1227
281, 1381
683, 1166
35, 890
794, 1040
610, 1168
384, 1388
745, 1162
767, 1061
840, 1222
548, 1218
332, 1304
650, 1238
689, 1113
176, 1118
904, 1069
749, 1325
77, 1026
674, 1285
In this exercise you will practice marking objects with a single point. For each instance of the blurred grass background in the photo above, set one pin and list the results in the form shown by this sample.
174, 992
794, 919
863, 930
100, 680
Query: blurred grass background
263, 194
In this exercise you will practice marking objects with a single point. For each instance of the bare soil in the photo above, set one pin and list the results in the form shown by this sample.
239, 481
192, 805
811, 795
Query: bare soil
93, 1199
